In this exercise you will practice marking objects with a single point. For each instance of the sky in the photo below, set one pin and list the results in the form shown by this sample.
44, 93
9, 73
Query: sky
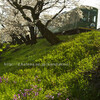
94, 3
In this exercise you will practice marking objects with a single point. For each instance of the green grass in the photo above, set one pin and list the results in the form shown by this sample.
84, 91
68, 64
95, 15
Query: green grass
59, 71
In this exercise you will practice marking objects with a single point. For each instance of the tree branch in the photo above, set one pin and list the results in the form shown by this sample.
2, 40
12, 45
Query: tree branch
54, 16
24, 16
20, 1
28, 8
9, 1
17, 6
50, 6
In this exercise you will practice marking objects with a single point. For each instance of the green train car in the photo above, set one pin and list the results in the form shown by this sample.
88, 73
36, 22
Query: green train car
76, 24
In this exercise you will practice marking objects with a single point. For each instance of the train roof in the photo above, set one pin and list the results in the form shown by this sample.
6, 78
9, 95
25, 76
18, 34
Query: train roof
86, 7
81, 7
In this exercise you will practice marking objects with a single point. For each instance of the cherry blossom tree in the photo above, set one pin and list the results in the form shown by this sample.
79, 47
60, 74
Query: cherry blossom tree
14, 24
35, 8
32, 11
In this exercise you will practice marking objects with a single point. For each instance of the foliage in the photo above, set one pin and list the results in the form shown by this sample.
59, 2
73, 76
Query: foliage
80, 54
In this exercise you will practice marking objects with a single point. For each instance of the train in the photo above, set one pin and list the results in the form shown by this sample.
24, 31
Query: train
71, 23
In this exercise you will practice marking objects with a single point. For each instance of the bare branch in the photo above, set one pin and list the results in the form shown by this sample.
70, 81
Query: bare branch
28, 8
9, 1
20, 1
39, 6
24, 16
50, 6
21, 9
54, 16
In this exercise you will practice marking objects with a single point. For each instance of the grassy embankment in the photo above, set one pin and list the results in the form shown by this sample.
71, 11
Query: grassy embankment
71, 70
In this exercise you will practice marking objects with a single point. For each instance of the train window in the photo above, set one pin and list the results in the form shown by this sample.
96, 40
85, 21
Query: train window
88, 16
94, 19
85, 16
84, 19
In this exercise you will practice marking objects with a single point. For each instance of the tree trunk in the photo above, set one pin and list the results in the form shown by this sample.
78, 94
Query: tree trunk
23, 38
13, 40
28, 41
33, 36
51, 38
19, 41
